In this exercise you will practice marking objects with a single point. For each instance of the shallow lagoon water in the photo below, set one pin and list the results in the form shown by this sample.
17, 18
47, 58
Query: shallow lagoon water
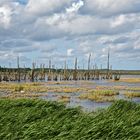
85, 104
74, 101
89, 105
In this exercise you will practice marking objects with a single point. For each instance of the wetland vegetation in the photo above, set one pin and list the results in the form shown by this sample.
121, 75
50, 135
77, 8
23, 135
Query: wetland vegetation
68, 104
69, 70
100, 95
98, 91
37, 119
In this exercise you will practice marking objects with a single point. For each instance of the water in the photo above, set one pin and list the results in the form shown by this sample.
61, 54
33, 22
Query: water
85, 104
75, 101
89, 105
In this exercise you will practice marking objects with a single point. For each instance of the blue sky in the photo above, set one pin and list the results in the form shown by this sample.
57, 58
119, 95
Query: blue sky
22, 1
61, 30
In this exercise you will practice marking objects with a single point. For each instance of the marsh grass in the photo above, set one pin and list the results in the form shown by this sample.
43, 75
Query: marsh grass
23, 95
119, 87
64, 99
132, 94
97, 98
133, 88
64, 89
36, 119
70, 90
18, 88
26, 87
100, 95
128, 80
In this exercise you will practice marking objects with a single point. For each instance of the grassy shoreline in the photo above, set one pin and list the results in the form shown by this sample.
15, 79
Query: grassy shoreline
37, 119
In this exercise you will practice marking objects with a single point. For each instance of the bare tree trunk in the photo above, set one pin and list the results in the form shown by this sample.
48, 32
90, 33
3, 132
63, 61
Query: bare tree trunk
18, 66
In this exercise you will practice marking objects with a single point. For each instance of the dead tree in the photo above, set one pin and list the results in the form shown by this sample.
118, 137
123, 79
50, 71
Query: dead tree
18, 67
88, 73
75, 70
108, 57
49, 74
33, 72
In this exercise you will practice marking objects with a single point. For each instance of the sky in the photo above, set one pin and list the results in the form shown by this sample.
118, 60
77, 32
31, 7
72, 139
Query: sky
61, 30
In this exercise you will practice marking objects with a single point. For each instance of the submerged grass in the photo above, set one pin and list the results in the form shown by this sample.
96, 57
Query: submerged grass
36, 119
